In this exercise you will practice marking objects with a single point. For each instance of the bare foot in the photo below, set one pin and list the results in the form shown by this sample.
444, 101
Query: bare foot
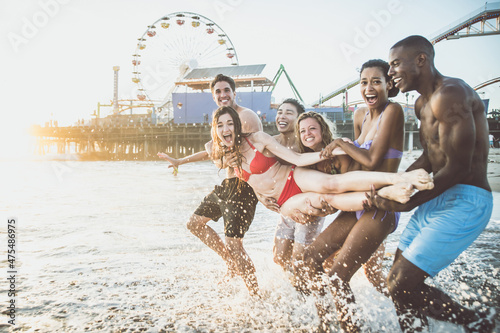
419, 178
400, 192
230, 274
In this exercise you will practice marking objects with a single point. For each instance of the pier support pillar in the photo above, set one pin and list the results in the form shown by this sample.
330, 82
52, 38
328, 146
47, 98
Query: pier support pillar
410, 141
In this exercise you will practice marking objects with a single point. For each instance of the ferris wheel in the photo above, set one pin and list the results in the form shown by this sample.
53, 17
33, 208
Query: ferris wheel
173, 46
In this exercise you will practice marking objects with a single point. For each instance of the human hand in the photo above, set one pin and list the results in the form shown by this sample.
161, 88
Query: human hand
271, 204
327, 209
347, 140
327, 151
301, 217
231, 160
334, 148
174, 163
373, 200
311, 213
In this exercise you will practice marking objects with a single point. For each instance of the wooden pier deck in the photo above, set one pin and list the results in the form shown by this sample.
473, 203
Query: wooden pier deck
144, 142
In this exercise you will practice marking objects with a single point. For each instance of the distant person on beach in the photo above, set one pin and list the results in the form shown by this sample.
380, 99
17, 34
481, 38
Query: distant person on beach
454, 137
290, 237
492, 140
358, 236
296, 188
234, 201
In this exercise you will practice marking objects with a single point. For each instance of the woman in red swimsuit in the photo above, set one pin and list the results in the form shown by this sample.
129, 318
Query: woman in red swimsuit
296, 188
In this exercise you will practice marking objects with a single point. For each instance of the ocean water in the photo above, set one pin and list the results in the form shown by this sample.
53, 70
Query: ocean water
103, 247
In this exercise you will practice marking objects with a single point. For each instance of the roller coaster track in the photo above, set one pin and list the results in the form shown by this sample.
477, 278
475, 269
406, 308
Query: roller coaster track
464, 27
487, 83
334, 93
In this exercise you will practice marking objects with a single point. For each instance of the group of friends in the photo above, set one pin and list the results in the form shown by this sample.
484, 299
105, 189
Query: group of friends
305, 174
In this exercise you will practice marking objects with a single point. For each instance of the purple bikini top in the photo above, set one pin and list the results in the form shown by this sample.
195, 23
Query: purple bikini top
391, 153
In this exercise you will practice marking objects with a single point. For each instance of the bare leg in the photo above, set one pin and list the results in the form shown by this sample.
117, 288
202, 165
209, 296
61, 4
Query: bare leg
331, 239
243, 264
415, 300
363, 240
322, 254
313, 181
328, 263
400, 192
298, 251
282, 252
326, 244
373, 270
347, 202
198, 227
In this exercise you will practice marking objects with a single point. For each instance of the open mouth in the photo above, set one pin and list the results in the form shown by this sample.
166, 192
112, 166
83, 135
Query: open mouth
228, 138
282, 124
309, 139
396, 81
371, 99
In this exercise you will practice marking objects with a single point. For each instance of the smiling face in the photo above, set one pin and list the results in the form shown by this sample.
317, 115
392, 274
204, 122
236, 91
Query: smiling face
225, 130
374, 87
223, 95
311, 134
285, 117
403, 68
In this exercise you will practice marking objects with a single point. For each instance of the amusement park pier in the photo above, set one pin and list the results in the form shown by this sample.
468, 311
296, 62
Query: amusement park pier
172, 80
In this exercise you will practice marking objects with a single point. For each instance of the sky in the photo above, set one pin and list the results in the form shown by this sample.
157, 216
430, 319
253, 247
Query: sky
58, 55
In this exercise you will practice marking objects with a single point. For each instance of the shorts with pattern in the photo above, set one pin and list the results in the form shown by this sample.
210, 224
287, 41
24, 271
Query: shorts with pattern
235, 204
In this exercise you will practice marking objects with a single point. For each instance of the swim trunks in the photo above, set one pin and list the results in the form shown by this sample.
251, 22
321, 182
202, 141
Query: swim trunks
291, 188
445, 226
235, 205
259, 164
300, 233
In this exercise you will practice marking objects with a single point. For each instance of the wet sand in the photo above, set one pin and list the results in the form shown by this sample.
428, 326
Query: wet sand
494, 169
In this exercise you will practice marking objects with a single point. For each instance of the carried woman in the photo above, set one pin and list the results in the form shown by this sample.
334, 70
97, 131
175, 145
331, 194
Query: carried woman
298, 188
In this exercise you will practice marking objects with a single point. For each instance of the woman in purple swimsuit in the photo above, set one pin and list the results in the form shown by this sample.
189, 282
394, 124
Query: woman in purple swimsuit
357, 237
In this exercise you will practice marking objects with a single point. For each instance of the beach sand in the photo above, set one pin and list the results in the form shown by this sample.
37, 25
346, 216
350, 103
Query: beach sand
493, 165
494, 169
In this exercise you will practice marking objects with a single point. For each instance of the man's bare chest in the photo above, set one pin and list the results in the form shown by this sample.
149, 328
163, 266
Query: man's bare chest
429, 126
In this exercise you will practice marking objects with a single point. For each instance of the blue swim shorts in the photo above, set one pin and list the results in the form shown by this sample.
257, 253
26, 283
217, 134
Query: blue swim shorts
300, 233
445, 226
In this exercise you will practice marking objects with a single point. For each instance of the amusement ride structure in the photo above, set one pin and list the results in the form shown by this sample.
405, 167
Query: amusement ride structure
179, 49
173, 46
484, 21
174, 62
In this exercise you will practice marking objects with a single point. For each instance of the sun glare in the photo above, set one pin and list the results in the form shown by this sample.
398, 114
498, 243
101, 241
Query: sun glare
16, 142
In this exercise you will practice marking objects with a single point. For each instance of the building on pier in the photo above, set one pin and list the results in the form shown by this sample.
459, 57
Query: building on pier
192, 100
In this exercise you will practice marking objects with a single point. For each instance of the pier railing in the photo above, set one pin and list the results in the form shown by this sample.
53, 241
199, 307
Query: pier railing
144, 142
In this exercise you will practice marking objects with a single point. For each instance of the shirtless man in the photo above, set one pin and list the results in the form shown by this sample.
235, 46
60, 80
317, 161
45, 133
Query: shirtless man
291, 238
235, 206
454, 137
